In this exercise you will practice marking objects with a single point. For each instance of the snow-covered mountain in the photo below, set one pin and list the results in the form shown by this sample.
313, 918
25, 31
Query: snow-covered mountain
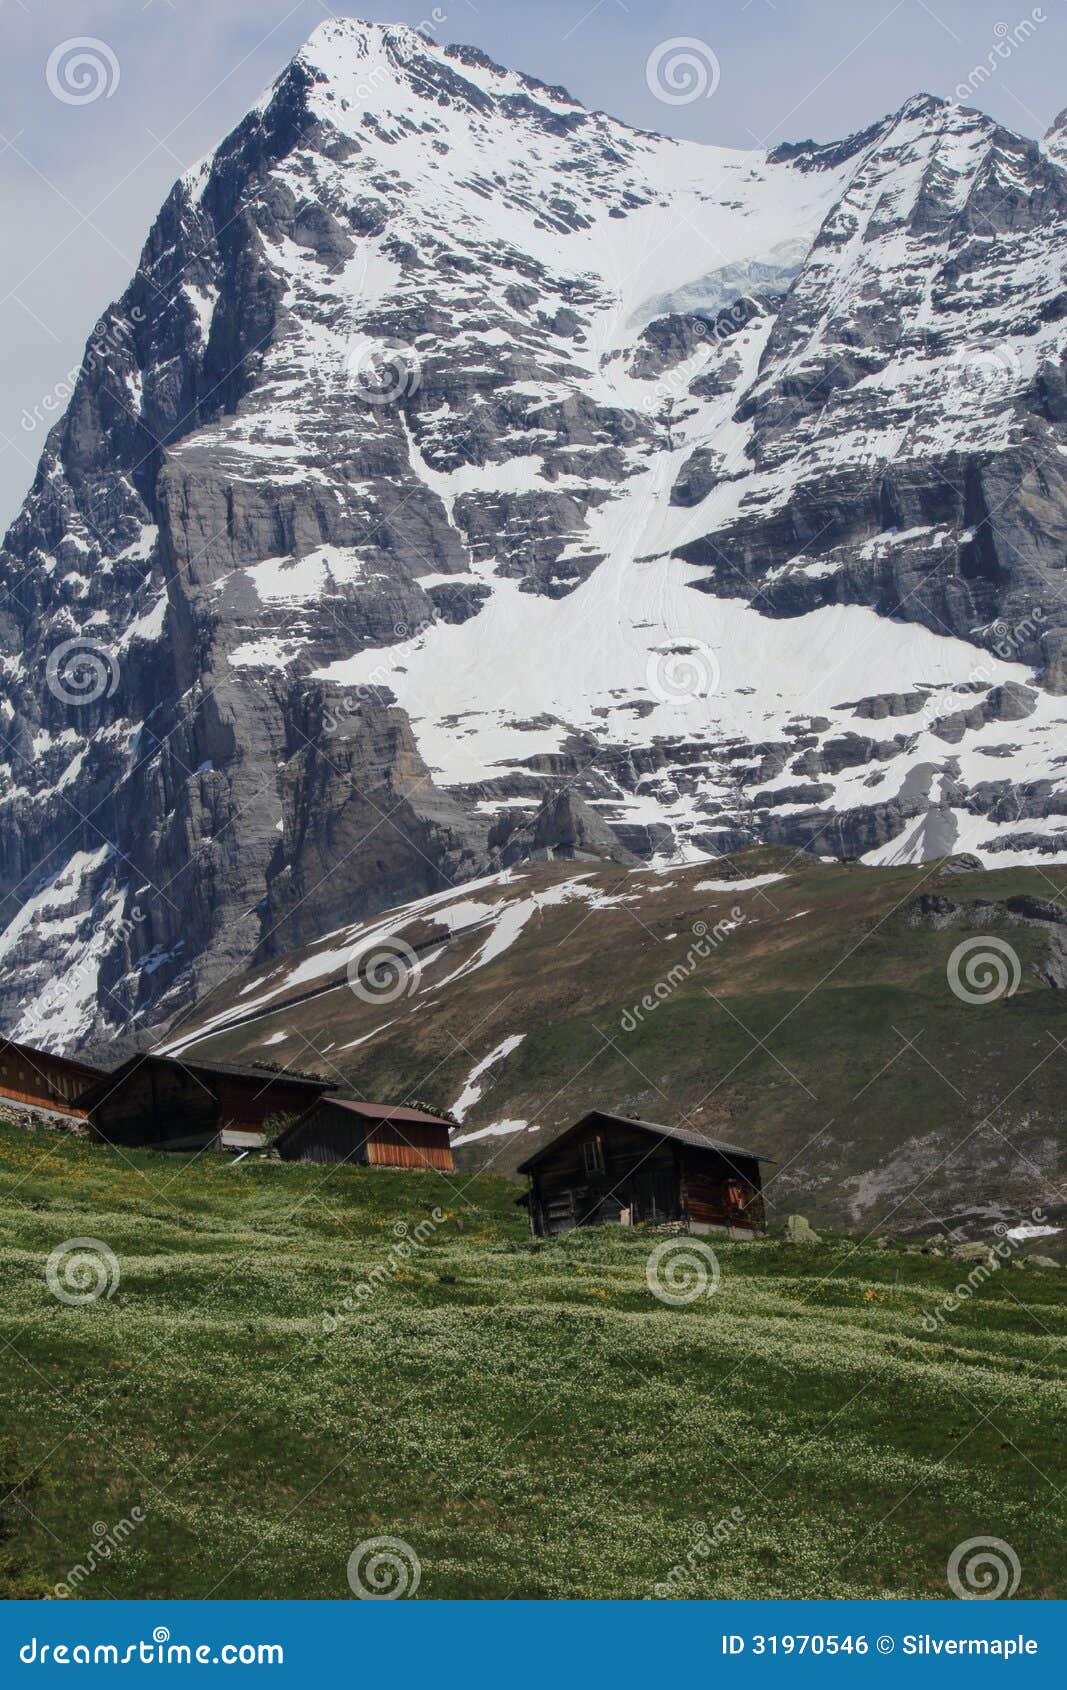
453, 444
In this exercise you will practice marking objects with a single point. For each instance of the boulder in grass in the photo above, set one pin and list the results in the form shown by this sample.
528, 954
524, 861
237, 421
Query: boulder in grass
798, 1231
972, 1252
1042, 1262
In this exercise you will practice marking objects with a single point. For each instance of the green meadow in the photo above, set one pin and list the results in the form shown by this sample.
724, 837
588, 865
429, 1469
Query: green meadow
288, 1361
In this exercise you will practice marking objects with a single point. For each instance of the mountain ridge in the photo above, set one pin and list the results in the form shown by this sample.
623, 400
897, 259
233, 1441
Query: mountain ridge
375, 517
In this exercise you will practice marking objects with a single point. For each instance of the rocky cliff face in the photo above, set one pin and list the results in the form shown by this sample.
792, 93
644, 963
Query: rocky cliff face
452, 445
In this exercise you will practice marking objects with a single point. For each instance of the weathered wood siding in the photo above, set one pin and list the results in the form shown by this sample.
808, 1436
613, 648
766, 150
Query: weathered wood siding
717, 1191
329, 1134
415, 1144
168, 1103
157, 1104
248, 1104
641, 1179
49, 1082
325, 1135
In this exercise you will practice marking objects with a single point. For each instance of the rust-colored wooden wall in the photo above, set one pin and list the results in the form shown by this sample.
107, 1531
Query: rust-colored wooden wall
330, 1133
40, 1079
414, 1145
717, 1193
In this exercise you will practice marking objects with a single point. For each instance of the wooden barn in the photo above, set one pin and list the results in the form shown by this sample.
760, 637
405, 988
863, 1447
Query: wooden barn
377, 1135
611, 1168
186, 1103
43, 1081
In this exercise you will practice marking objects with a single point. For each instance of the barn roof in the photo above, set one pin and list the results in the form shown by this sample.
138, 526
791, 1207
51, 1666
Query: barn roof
107, 1083
382, 1113
386, 1111
241, 1071
32, 1054
699, 1141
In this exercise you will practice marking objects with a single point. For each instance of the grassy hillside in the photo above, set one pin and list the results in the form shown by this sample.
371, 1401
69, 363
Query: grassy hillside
819, 1027
529, 1419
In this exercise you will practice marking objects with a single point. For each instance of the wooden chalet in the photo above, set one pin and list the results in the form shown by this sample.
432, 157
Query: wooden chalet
611, 1168
187, 1103
376, 1135
40, 1080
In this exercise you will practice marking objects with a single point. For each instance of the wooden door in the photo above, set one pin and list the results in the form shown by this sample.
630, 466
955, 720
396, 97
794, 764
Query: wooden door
654, 1195
559, 1211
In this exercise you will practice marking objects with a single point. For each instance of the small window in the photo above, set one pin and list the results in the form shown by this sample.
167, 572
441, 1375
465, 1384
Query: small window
593, 1155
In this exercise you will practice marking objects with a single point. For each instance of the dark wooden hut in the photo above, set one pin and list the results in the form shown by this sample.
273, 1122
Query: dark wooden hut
378, 1135
187, 1103
613, 1168
43, 1081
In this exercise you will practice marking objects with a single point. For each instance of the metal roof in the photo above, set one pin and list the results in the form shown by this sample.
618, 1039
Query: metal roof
385, 1111
683, 1135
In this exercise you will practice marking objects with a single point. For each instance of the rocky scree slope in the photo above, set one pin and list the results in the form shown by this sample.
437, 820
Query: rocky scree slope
453, 444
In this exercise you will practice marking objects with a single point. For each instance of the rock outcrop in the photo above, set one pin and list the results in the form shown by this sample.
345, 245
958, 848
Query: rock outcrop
393, 497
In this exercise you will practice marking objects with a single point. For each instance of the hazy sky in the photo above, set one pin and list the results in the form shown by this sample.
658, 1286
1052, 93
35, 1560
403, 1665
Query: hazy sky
81, 183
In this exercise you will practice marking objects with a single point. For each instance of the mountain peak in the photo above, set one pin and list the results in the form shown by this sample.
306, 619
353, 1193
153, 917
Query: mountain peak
383, 54
337, 37
923, 105
921, 108
379, 508
1054, 142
